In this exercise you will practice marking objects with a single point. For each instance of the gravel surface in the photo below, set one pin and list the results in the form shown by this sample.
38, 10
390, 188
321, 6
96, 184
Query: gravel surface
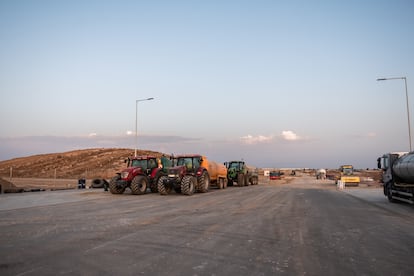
297, 227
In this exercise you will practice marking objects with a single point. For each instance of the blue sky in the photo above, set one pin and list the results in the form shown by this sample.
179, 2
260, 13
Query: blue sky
277, 83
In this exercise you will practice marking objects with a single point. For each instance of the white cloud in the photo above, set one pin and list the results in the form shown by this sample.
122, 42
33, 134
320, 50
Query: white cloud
289, 135
249, 139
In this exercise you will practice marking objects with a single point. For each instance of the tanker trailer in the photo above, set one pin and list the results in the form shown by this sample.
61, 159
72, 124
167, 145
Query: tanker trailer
217, 173
398, 176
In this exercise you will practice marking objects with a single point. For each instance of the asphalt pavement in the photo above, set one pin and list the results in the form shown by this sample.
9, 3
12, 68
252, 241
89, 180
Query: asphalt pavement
301, 228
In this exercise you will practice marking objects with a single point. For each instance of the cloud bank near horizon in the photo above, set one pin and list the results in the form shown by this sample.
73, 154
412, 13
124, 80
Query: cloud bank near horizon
286, 135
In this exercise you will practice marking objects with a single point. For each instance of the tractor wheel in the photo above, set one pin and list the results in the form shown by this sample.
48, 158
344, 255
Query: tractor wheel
154, 184
220, 183
203, 182
97, 183
255, 180
389, 193
240, 180
230, 183
188, 184
246, 180
163, 188
113, 187
139, 185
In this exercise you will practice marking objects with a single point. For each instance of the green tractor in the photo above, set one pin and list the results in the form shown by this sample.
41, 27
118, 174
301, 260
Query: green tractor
242, 174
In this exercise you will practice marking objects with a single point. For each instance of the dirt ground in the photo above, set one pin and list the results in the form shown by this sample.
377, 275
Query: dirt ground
287, 227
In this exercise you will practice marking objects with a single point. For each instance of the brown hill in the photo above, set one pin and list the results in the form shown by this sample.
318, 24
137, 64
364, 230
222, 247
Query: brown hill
89, 163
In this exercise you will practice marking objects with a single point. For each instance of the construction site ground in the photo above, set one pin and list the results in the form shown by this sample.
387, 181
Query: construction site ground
294, 226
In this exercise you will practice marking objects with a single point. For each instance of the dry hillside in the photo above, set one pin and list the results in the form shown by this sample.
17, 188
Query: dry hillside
89, 163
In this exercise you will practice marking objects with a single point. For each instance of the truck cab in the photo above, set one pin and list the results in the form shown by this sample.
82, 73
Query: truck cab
398, 176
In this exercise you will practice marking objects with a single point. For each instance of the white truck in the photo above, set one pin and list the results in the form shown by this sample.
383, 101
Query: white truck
398, 176
321, 174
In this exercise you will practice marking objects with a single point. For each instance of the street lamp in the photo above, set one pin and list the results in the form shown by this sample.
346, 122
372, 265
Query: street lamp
406, 96
136, 122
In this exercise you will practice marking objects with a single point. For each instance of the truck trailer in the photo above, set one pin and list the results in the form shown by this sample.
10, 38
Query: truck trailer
398, 176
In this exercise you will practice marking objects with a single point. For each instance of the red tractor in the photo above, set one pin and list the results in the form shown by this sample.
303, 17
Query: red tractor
193, 173
141, 172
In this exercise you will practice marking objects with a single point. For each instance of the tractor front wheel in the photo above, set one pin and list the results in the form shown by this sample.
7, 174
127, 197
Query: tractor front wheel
240, 180
163, 189
113, 186
188, 184
139, 185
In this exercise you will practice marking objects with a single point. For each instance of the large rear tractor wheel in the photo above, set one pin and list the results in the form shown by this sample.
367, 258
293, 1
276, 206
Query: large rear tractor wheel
203, 182
139, 185
240, 180
188, 184
163, 188
246, 180
113, 187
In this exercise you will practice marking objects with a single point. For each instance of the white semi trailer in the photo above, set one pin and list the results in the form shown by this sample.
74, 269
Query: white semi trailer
398, 176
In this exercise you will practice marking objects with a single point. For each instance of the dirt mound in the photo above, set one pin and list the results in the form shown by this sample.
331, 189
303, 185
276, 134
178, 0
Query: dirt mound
88, 163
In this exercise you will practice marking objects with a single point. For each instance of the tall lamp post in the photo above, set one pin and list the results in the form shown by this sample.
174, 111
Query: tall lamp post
406, 97
136, 122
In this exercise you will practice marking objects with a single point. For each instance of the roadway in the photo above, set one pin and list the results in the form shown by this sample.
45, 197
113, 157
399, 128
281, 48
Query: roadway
301, 228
